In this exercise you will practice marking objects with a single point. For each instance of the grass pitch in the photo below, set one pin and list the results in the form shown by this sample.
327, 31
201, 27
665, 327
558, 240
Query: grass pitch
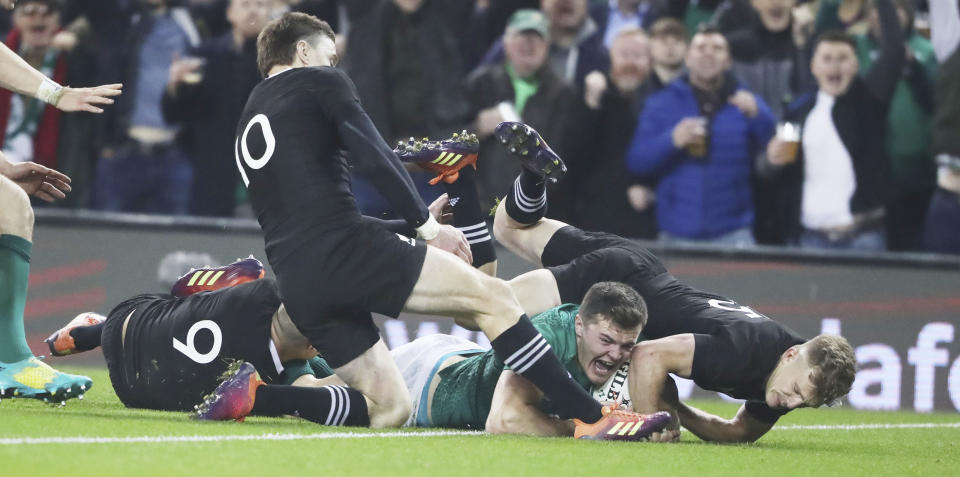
99, 437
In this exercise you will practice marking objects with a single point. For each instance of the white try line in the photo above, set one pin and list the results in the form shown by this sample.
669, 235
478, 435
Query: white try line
15, 441
857, 427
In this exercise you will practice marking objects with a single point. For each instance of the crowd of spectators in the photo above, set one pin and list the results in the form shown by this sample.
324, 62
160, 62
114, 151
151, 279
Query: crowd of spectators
821, 124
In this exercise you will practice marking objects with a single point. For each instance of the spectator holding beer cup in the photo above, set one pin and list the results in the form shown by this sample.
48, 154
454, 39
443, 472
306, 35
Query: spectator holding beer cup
697, 139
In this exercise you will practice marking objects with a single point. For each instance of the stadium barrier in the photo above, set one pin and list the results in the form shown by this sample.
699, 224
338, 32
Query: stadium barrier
900, 311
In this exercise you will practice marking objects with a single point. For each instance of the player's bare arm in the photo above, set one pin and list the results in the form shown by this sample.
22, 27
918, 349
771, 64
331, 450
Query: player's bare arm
18, 76
742, 428
514, 410
651, 362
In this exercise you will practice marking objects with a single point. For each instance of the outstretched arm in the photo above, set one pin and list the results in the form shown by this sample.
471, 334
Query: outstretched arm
514, 410
18, 76
650, 364
742, 428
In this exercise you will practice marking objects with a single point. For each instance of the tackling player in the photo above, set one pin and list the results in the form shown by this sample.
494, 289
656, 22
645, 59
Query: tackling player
300, 127
720, 344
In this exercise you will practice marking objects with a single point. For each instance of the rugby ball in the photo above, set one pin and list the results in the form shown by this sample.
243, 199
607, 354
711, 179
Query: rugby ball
615, 389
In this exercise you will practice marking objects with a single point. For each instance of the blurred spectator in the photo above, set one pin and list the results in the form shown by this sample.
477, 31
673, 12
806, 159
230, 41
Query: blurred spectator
771, 60
835, 182
34, 131
668, 48
692, 13
615, 15
142, 169
697, 137
486, 26
576, 44
522, 88
206, 93
850, 16
608, 199
405, 60
942, 232
909, 124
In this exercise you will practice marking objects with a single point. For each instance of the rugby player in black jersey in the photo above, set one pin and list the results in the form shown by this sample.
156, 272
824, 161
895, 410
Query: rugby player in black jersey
722, 345
167, 351
301, 130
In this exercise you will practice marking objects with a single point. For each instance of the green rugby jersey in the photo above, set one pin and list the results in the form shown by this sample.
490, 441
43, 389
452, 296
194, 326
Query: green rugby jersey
463, 397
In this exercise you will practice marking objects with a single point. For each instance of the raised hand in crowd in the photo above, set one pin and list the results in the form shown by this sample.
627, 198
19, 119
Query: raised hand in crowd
746, 102
688, 131
595, 84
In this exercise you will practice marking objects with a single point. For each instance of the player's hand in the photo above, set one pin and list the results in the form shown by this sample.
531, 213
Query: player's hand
85, 99
441, 210
453, 241
667, 435
41, 182
746, 102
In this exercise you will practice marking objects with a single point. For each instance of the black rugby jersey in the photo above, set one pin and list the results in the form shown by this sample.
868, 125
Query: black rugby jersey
300, 132
176, 348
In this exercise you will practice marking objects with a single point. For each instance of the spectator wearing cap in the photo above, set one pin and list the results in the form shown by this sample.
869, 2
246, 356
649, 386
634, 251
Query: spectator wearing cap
609, 199
668, 48
576, 44
612, 16
405, 60
523, 87
909, 125
33, 130
835, 186
205, 94
697, 138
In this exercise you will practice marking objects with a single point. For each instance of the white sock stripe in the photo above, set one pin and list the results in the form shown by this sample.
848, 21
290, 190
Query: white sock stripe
480, 240
530, 357
478, 233
346, 407
534, 360
342, 413
470, 228
524, 350
525, 208
522, 199
333, 402
526, 197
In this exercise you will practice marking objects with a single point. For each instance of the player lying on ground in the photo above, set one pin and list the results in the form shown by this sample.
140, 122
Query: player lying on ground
720, 344
22, 374
451, 380
300, 130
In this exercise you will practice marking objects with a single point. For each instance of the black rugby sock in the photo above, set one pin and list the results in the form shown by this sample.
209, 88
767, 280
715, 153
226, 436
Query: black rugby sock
86, 338
328, 405
527, 199
527, 353
469, 218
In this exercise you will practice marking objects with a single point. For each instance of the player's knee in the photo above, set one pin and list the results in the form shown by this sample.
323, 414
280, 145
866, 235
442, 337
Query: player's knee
16, 215
391, 412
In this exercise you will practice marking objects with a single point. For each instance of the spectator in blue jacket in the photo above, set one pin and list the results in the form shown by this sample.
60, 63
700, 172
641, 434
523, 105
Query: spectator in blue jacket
697, 138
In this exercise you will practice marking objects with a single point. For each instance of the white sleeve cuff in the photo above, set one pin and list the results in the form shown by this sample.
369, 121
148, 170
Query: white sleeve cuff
429, 230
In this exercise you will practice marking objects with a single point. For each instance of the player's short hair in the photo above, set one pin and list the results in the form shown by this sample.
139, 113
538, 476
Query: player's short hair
835, 36
616, 302
668, 27
277, 43
834, 367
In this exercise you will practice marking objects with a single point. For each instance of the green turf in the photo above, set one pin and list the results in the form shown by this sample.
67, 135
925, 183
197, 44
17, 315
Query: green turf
926, 451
